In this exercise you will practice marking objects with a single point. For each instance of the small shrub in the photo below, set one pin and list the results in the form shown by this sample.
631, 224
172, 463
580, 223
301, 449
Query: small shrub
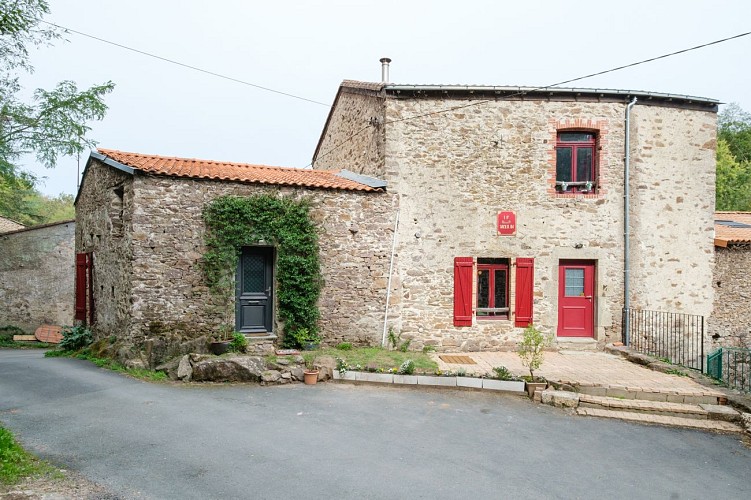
502, 373
344, 346
530, 350
404, 347
461, 372
428, 349
407, 368
341, 366
239, 343
393, 338
75, 338
300, 337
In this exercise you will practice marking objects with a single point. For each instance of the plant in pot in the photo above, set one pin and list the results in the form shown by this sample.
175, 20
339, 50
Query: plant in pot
310, 374
223, 339
531, 353
307, 339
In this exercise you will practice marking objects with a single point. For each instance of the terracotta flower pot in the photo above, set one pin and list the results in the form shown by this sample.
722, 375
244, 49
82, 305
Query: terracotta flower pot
310, 377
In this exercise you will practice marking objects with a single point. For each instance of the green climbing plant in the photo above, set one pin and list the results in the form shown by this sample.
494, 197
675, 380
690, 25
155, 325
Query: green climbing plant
233, 222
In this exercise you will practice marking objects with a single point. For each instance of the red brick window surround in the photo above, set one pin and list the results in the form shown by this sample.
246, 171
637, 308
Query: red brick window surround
574, 166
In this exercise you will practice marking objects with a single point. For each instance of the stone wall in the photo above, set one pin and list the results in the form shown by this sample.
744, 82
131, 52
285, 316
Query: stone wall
36, 276
103, 227
354, 136
730, 324
167, 296
672, 216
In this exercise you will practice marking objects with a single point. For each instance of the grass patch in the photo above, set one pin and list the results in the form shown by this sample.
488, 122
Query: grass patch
6, 339
377, 357
16, 463
110, 364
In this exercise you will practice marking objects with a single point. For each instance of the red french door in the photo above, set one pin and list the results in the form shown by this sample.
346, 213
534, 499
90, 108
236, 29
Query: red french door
576, 298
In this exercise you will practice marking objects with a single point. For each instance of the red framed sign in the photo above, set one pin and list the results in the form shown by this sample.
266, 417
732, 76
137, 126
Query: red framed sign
506, 224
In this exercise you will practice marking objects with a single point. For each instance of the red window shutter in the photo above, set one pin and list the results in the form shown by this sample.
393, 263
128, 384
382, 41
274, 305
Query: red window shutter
525, 274
90, 281
80, 308
463, 274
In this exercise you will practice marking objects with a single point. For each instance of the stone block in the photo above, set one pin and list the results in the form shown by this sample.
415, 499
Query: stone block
436, 381
405, 379
184, 369
381, 378
561, 399
503, 385
475, 383
721, 412
652, 396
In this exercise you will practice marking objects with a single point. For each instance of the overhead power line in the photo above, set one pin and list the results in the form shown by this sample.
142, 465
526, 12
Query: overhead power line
184, 65
521, 93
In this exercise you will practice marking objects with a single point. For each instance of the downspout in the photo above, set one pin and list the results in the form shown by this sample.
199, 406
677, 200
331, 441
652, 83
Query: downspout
388, 287
627, 225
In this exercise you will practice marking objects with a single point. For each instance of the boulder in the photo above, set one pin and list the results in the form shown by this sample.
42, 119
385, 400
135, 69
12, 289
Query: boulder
561, 399
326, 366
170, 368
229, 369
185, 369
270, 376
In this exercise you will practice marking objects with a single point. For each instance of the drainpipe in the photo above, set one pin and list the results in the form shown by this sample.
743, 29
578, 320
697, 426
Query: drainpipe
388, 289
626, 224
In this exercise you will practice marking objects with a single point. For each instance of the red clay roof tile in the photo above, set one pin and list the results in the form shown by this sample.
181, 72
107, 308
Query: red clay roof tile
725, 234
238, 172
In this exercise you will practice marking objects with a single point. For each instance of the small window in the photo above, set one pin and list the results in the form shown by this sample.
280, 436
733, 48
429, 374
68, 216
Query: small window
492, 289
575, 162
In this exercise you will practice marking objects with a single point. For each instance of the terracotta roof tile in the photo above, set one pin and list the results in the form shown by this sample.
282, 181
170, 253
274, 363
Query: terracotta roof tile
238, 172
726, 233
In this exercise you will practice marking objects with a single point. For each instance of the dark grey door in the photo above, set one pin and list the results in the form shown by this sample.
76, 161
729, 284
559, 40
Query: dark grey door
254, 303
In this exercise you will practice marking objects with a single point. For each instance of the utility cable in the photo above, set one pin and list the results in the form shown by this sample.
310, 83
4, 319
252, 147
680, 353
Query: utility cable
184, 65
521, 93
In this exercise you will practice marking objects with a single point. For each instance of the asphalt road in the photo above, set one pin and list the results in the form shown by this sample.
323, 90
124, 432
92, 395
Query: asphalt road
144, 440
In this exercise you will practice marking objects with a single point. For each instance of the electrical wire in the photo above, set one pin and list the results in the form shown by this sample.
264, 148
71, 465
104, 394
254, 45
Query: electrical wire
184, 65
521, 93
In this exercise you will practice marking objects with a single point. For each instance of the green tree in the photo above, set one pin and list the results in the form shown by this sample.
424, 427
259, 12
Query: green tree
53, 124
734, 127
733, 190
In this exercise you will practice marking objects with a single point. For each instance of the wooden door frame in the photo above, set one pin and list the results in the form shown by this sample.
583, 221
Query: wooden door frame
270, 255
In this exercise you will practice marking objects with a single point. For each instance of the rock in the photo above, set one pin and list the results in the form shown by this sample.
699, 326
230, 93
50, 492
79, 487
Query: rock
135, 364
299, 359
286, 375
746, 420
297, 373
326, 366
229, 369
170, 368
561, 399
270, 376
185, 369
282, 361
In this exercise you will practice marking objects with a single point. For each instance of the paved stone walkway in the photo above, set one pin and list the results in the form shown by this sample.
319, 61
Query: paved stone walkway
585, 369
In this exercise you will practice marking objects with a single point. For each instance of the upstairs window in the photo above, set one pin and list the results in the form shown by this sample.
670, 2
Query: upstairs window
575, 162
492, 289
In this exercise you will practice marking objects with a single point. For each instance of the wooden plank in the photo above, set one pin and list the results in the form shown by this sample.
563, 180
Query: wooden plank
49, 333
457, 360
24, 338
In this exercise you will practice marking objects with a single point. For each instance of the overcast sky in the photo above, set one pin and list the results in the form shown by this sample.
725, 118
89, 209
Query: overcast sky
307, 47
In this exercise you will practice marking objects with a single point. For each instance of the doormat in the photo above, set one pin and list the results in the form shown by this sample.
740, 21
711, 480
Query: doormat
457, 360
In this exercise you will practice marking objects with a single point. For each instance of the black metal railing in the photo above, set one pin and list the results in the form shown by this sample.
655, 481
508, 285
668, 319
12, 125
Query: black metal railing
731, 365
675, 337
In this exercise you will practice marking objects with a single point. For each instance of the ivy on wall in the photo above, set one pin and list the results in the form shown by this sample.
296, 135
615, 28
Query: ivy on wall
233, 222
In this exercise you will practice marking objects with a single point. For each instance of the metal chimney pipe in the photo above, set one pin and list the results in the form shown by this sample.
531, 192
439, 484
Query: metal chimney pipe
385, 69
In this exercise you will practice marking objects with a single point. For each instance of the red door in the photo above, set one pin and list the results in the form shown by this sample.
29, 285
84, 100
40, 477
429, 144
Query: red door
576, 300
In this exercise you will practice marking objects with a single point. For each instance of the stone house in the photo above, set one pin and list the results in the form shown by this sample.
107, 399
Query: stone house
511, 205
140, 242
36, 275
730, 325
455, 215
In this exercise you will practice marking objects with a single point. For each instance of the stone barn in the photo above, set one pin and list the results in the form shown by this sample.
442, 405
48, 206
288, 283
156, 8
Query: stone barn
508, 205
730, 325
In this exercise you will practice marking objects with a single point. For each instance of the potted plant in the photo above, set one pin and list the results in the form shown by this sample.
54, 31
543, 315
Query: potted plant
310, 373
531, 353
307, 339
221, 343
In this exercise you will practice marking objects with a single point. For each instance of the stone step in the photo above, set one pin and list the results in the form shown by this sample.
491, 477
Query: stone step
689, 423
706, 396
576, 344
696, 411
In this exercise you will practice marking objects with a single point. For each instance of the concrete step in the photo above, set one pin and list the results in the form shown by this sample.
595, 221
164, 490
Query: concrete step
575, 344
689, 423
707, 396
684, 410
